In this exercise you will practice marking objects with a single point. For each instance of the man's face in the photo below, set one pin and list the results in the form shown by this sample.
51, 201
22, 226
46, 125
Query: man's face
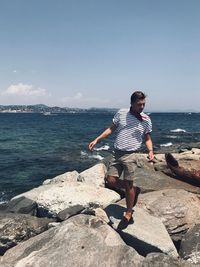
138, 105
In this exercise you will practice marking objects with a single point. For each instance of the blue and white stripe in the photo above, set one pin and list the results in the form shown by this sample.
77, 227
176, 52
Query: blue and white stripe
130, 131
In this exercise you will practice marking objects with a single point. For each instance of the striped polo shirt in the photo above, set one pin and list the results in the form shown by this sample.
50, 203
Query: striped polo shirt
129, 130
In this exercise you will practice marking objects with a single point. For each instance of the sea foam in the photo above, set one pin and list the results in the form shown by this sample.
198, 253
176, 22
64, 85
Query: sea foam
178, 131
91, 155
105, 147
167, 144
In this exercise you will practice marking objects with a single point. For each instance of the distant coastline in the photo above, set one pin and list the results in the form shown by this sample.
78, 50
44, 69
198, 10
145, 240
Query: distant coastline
41, 108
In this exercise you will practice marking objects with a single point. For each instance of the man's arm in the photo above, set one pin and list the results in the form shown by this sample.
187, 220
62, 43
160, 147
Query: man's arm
107, 132
149, 145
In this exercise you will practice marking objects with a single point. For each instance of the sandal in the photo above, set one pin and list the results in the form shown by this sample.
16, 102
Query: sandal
124, 223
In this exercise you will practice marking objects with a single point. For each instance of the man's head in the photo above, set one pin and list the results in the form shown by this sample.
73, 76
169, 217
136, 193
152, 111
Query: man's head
138, 101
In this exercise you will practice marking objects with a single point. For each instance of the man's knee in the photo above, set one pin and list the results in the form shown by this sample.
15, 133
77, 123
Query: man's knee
111, 181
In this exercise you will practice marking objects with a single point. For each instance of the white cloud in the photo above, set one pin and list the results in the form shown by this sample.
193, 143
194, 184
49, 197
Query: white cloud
24, 90
78, 96
14, 71
79, 100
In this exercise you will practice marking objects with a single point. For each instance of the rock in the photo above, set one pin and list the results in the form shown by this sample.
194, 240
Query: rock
53, 224
22, 204
190, 164
187, 152
101, 214
63, 178
186, 156
196, 151
190, 245
177, 208
94, 175
163, 260
160, 157
147, 179
184, 150
151, 180
68, 212
147, 234
3, 206
190, 176
15, 228
160, 166
143, 162
82, 240
62, 200
98, 212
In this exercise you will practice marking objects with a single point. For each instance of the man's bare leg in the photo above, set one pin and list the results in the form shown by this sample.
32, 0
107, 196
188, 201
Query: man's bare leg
114, 182
130, 198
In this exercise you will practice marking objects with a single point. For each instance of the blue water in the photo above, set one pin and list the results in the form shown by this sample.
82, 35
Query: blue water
34, 147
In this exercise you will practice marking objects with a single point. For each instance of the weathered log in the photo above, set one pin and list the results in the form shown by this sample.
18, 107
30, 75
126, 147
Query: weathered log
188, 175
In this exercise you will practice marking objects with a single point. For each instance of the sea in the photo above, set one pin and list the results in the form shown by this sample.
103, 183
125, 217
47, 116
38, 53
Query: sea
35, 147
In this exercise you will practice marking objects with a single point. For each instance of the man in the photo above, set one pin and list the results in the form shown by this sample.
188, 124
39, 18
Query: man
131, 126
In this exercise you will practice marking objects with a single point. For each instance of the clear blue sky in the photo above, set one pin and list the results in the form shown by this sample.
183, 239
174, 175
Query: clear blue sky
95, 53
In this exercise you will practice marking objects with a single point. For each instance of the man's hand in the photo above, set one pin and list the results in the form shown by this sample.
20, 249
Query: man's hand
151, 155
103, 135
92, 145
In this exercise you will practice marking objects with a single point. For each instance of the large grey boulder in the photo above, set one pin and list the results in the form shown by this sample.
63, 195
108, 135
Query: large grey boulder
151, 180
15, 228
177, 208
62, 200
82, 240
147, 234
190, 245
189, 160
148, 179
186, 156
163, 260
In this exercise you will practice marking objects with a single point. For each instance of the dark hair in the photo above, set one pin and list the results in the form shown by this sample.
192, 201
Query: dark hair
137, 95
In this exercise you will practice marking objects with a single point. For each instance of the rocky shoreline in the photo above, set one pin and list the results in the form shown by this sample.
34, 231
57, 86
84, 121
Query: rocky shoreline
67, 220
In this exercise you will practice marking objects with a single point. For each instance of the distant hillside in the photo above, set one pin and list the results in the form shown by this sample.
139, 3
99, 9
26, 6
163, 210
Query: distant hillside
41, 108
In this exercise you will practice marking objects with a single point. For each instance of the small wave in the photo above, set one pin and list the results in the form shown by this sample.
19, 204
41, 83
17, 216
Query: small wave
178, 131
3, 202
105, 147
167, 144
91, 156
99, 157
2, 196
83, 153
172, 136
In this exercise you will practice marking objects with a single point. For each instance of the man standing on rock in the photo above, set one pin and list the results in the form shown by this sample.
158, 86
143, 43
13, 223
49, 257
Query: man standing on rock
131, 126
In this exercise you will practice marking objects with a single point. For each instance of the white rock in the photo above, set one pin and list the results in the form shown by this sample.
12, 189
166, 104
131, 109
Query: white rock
94, 175
63, 178
68, 198
196, 151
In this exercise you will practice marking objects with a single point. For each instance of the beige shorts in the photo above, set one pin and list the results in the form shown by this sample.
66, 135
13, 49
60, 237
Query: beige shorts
123, 161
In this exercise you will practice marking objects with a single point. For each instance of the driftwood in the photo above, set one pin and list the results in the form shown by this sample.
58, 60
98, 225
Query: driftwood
188, 175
